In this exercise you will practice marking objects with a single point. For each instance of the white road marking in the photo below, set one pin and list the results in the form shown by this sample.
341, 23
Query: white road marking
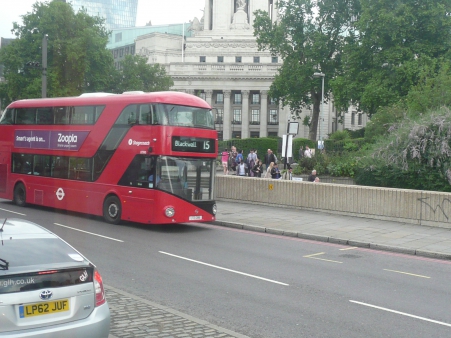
407, 273
352, 248
401, 313
17, 213
87, 232
221, 268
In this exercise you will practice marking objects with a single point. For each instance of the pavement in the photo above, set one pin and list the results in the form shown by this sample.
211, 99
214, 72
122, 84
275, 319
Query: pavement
132, 316
420, 240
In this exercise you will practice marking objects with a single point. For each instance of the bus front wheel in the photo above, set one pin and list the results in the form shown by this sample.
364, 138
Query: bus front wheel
112, 210
20, 195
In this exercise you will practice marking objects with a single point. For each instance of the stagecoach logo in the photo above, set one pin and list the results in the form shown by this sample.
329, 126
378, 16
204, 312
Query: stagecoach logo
60, 194
138, 143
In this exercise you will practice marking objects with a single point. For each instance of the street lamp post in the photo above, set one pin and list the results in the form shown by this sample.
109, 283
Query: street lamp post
322, 75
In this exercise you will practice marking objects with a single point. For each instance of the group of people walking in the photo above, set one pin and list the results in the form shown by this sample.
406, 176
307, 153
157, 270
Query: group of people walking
252, 166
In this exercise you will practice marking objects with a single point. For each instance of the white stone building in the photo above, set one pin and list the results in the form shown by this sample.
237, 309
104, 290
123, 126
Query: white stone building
221, 63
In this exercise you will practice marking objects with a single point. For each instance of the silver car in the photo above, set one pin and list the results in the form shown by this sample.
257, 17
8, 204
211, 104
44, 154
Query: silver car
47, 288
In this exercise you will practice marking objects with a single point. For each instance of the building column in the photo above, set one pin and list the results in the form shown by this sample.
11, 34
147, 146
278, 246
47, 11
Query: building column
207, 11
190, 91
264, 113
208, 95
245, 114
227, 116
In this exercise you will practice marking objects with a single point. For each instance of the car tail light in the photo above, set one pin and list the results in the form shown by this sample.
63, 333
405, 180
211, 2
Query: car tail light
100, 291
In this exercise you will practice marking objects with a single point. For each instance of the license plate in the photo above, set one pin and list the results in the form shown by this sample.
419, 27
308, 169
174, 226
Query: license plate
44, 308
195, 218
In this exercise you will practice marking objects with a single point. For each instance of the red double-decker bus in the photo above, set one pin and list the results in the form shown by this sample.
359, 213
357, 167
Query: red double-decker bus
140, 157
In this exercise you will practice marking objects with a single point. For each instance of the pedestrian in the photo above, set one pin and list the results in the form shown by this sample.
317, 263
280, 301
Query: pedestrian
239, 157
288, 174
268, 170
269, 157
316, 180
301, 152
241, 168
225, 159
312, 176
232, 158
308, 152
275, 172
251, 161
258, 169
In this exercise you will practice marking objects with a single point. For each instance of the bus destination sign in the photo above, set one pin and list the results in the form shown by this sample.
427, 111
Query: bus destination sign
193, 144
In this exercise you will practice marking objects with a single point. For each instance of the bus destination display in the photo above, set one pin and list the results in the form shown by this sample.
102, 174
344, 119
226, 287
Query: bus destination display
193, 144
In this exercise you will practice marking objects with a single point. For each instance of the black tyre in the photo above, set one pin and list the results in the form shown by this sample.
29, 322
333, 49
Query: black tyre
20, 195
112, 210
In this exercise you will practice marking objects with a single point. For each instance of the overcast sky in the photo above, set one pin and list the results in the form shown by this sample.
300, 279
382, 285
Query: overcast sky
159, 12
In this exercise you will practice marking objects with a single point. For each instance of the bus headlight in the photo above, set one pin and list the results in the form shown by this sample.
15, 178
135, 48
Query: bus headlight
214, 209
169, 212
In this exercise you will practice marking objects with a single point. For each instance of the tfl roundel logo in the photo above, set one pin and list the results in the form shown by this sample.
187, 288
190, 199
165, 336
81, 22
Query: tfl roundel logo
130, 142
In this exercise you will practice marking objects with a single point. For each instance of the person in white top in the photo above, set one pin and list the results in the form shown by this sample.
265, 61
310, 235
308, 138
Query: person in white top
307, 152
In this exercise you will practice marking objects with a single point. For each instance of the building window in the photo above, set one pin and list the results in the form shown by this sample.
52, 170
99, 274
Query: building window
272, 101
273, 117
255, 134
202, 58
238, 59
219, 116
121, 52
220, 135
236, 134
237, 98
118, 37
219, 98
115, 53
272, 134
255, 98
220, 59
255, 116
256, 59
353, 118
359, 119
236, 116
203, 96
132, 50
274, 59
127, 50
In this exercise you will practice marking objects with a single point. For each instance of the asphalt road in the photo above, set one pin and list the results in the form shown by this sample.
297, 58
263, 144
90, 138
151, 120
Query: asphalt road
263, 285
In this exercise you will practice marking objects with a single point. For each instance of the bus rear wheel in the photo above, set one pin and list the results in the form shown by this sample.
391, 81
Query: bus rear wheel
112, 210
20, 195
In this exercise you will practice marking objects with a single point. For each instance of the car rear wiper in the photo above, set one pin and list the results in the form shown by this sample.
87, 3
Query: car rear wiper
4, 266
1, 229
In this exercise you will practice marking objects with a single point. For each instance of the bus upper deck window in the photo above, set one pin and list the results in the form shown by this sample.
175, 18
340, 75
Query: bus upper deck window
7, 117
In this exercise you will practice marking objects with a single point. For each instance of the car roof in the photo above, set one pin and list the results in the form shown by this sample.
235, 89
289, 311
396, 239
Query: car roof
19, 228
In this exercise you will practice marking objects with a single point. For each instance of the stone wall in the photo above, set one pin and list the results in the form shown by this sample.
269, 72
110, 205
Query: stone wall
403, 205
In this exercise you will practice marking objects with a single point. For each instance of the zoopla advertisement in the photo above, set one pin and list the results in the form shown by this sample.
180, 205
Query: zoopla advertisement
55, 140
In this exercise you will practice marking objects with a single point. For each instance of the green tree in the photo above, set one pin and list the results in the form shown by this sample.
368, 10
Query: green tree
136, 74
78, 60
387, 48
309, 37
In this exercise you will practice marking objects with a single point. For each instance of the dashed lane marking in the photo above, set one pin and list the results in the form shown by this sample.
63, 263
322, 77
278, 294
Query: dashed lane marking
407, 273
225, 269
400, 313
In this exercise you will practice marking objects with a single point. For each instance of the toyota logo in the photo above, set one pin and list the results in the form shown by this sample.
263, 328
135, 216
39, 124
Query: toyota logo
60, 194
46, 294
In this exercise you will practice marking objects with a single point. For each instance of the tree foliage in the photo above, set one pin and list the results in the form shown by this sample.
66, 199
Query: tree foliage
309, 37
136, 74
387, 49
78, 60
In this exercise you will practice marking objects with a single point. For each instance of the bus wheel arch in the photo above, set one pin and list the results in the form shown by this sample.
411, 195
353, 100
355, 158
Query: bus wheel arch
112, 209
20, 194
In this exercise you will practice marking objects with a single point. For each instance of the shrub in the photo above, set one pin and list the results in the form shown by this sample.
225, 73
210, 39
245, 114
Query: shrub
340, 135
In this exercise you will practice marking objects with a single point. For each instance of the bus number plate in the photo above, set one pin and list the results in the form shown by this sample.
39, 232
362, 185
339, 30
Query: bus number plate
195, 218
44, 308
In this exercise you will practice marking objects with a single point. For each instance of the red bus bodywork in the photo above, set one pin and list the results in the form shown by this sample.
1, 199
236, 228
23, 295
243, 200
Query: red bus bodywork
137, 204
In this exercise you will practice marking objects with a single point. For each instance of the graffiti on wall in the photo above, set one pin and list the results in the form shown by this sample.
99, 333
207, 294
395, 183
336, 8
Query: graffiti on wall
439, 207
